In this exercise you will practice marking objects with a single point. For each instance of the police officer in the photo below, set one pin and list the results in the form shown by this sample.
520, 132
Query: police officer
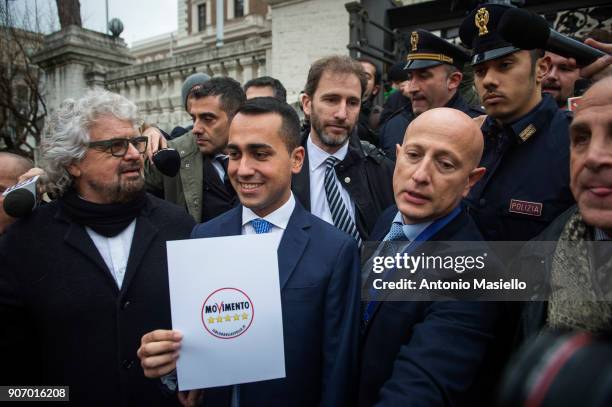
526, 153
434, 75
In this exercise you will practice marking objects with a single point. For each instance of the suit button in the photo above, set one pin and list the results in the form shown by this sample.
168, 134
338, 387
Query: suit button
125, 305
347, 180
482, 202
127, 364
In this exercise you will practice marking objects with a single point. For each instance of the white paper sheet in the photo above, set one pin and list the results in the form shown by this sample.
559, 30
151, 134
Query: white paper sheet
242, 343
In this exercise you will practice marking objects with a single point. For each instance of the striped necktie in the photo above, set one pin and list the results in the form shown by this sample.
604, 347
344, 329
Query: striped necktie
340, 214
261, 225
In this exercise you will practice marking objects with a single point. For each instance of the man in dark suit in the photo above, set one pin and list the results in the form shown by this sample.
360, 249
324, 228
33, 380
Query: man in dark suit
318, 267
427, 353
84, 277
337, 164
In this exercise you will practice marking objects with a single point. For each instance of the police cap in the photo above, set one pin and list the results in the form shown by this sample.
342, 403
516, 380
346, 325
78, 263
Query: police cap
427, 50
479, 32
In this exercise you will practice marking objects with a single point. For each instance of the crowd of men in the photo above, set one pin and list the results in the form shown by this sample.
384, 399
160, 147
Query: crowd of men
84, 283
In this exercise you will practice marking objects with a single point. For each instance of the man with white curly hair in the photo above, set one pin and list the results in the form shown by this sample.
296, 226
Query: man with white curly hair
85, 277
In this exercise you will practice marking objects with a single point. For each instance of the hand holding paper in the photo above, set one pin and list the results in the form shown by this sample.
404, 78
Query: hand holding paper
159, 351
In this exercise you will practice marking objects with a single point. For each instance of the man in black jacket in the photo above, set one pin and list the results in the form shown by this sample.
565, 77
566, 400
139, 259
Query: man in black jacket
343, 181
84, 277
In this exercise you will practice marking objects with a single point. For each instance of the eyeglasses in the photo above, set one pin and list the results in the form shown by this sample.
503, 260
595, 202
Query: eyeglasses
118, 147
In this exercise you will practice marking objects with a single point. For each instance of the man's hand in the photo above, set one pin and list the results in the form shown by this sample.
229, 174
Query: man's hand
156, 140
159, 351
191, 398
602, 67
31, 173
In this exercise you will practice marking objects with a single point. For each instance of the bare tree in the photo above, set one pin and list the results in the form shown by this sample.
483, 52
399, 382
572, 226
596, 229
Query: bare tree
22, 106
69, 12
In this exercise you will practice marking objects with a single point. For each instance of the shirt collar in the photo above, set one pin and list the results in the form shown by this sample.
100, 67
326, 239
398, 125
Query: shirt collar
529, 125
317, 156
278, 218
411, 231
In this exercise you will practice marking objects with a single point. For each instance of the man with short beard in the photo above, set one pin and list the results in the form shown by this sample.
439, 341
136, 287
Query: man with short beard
343, 181
85, 276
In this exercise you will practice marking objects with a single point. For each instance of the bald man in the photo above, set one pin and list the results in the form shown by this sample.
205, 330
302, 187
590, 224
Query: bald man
11, 167
588, 225
428, 353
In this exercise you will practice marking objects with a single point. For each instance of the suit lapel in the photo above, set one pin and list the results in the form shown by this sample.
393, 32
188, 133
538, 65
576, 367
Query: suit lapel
293, 243
144, 234
78, 238
445, 233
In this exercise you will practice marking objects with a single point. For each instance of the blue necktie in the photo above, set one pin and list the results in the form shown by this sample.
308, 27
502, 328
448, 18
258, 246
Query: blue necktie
261, 225
395, 233
340, 214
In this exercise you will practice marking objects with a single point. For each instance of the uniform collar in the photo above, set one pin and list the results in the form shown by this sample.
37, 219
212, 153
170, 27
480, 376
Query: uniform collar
534, 122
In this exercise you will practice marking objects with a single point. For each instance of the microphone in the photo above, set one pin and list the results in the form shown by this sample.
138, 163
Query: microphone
527, 30
167, 161
20, 199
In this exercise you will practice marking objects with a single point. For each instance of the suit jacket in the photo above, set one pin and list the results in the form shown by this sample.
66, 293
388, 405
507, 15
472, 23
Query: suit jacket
365, 173
428, 353
319, 280
70, 324
187, 189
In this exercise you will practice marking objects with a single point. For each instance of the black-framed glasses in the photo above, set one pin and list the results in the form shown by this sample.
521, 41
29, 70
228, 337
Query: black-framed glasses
118, 147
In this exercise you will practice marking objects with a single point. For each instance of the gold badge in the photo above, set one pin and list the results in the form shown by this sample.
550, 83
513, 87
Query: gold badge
414, 40
481, 20
527, 132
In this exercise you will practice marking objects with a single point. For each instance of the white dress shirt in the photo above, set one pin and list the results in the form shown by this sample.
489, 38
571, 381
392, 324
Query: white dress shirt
115, 250
279, 218
318, 199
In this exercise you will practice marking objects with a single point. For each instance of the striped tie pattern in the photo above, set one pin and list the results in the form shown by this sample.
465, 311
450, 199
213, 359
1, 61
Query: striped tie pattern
340, 214
261, 225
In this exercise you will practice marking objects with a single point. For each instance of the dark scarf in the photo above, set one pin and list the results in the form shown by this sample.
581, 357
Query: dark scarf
106, 219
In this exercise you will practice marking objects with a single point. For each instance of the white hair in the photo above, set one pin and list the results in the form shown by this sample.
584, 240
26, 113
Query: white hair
66, 133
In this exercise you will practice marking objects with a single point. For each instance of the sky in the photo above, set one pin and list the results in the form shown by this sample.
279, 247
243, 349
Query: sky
141, 18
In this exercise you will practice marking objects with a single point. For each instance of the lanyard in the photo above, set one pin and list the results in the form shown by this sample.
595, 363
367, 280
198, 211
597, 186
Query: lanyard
424, 236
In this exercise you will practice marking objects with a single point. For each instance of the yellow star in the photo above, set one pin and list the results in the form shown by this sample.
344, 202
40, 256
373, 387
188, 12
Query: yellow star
236, 317
228, 318
211, 320
219, 319
245, 315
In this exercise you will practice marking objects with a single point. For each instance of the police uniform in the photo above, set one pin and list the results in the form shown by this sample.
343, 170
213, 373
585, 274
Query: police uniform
526, 185
427, 50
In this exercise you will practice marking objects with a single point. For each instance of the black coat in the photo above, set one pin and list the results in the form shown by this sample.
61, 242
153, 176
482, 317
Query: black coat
365, 173
431, 353
70, 324
526, 185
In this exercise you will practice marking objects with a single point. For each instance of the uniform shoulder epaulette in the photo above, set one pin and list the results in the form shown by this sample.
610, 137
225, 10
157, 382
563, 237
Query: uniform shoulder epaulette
370, 150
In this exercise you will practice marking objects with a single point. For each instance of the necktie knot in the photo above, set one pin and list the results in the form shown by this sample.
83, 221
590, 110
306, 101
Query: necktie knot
396, 232
261, 225
331, 162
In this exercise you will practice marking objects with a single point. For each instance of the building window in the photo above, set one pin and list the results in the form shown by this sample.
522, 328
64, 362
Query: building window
201, 17
238, 8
